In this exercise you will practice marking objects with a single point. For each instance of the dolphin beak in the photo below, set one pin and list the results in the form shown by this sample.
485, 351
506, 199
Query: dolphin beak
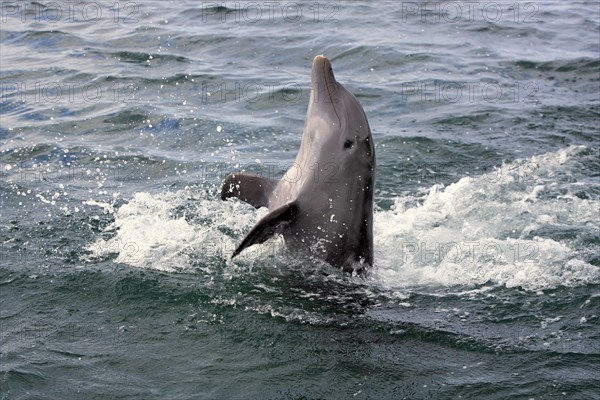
322, 72
324, 86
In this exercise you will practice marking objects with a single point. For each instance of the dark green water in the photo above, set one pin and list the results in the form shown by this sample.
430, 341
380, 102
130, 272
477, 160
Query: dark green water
119, 121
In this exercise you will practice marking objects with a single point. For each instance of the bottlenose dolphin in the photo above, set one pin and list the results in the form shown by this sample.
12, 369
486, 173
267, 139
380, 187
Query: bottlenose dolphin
324, 202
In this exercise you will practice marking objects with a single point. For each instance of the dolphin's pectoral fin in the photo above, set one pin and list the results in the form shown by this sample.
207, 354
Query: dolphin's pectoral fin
253, 189
272, 223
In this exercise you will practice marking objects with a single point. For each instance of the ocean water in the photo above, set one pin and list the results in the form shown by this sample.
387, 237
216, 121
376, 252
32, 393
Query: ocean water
119, 121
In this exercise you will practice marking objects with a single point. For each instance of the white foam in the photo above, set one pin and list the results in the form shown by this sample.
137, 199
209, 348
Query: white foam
482, 229
475, 231
151, 233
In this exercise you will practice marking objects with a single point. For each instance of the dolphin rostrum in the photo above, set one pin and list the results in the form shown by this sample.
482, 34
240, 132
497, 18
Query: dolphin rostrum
324, 202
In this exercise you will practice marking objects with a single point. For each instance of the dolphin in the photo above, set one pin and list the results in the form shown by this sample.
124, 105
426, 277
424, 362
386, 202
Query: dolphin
324, 202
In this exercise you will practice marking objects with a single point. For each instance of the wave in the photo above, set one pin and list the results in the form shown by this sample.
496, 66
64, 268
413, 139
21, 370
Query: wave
581, 65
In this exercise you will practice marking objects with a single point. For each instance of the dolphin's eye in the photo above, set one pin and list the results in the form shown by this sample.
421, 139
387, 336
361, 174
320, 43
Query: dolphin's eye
348, 143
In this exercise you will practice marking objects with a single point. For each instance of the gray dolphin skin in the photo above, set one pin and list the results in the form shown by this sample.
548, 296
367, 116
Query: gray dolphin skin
324, 202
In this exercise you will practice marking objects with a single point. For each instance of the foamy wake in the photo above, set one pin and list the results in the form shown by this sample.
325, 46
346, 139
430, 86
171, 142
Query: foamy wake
160, 232
525, 224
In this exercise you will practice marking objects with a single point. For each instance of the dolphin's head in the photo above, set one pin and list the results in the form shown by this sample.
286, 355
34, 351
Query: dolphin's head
336, 125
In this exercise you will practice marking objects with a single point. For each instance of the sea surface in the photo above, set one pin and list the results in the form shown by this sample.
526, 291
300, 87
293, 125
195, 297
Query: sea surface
119, 121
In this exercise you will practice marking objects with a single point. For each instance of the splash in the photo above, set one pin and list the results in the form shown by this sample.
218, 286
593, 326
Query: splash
171, 231
520, 226
531, 223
